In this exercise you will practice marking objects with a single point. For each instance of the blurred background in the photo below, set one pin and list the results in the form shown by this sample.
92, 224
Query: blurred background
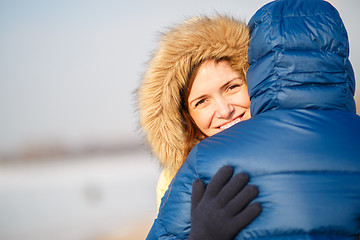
73, 165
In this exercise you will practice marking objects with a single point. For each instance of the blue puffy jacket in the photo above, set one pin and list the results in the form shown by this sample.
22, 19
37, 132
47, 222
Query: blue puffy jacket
302, 145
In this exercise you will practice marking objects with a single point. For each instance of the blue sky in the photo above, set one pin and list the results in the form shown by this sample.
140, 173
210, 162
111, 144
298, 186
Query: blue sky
68, 69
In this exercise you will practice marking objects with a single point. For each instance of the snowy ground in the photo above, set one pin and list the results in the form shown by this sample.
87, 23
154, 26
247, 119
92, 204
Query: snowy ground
77, 199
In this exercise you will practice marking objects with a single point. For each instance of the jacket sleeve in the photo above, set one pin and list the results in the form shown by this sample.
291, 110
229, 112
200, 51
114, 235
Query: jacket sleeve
174, 217
158, 231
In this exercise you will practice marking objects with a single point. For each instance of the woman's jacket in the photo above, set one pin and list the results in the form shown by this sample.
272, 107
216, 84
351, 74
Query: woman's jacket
302, 145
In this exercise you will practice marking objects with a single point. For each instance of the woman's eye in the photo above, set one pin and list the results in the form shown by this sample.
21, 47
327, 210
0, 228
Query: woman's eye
199, 102
233, 87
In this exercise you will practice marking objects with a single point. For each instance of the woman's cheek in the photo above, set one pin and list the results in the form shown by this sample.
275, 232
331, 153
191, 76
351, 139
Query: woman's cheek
203, 120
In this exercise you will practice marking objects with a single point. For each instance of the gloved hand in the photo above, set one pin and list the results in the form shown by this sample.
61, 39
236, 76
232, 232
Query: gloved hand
221, 210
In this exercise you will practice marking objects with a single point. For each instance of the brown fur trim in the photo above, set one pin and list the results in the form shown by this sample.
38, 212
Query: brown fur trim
183, 47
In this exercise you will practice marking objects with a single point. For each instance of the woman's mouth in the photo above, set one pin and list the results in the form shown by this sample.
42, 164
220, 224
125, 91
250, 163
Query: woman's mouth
230, 124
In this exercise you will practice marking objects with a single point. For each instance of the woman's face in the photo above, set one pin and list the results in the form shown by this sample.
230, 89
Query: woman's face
218, 98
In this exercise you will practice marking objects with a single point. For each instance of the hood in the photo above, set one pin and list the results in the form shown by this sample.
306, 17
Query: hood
181, 49
298, 58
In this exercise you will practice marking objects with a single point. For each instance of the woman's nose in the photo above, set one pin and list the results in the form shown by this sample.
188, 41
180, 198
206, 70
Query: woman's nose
224, 109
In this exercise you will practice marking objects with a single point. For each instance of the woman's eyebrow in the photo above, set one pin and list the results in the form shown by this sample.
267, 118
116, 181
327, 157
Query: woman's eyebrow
230, 81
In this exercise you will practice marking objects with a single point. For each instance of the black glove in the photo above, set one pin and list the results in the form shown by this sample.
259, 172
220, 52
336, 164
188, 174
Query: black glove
221, 210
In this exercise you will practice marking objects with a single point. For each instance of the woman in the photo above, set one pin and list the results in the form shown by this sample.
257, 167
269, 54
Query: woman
193, 88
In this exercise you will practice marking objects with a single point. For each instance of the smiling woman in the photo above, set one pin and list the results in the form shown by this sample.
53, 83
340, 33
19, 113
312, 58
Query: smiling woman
194, 87
218, 97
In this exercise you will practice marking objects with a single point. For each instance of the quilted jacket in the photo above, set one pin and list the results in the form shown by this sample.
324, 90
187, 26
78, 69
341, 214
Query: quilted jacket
302, 145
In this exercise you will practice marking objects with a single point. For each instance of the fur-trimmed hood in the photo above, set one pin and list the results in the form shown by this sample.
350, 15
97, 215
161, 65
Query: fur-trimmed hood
180, 50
